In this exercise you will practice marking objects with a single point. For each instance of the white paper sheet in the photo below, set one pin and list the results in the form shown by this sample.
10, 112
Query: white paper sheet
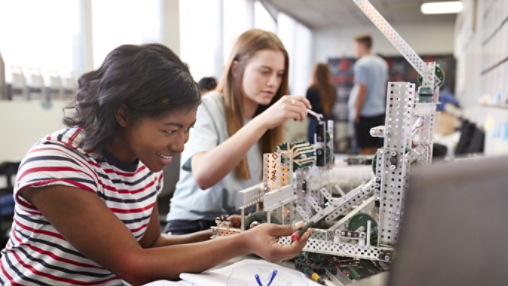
219, 277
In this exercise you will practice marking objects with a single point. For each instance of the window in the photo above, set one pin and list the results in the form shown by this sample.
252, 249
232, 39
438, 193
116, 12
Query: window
119, 22
200, 37
299, 50
238, 17
262, 18
41, 35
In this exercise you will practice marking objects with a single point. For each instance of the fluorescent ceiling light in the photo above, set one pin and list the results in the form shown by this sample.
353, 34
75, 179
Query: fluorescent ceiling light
442, 7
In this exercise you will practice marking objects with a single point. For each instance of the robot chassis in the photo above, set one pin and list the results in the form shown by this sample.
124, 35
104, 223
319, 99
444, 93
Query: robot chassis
301, 193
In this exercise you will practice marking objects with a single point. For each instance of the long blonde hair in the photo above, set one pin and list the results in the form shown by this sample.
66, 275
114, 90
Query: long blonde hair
231, 89
322, 80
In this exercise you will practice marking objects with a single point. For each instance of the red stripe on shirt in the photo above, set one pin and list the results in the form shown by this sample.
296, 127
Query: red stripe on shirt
125, 191
55, 257
109, 171
46, 232
73, 157
139, 228
24, 204
51, 169
74, 135
46, 182
122, 211
53, 277
9, 276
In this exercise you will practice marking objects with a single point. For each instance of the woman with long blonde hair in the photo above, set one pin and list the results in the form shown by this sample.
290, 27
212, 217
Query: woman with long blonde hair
236, 124
321, 95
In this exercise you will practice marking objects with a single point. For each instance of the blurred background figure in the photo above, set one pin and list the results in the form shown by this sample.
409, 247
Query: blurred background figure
368, 94
321, 94
207, 84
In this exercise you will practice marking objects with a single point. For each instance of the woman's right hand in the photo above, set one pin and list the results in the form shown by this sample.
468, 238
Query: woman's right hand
288, 107
263, 240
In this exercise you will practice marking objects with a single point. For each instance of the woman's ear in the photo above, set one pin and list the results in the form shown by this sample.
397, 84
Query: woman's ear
122, 115
234, 68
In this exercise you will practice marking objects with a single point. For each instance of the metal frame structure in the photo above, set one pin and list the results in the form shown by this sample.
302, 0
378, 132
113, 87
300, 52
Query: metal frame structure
300, 194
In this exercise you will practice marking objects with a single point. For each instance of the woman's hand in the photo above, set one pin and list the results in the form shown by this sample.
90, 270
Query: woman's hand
263, 240
288, 107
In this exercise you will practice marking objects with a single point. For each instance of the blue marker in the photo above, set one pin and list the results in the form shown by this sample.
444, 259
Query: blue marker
274, 273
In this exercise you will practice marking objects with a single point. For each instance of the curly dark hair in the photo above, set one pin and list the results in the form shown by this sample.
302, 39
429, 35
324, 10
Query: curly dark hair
150, 80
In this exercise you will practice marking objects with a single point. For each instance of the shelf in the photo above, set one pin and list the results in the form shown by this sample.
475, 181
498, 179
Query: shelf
488, 9
494, 66
495, 32
495, 106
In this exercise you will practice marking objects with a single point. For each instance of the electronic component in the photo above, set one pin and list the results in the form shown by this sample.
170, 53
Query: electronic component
303, 153
313, 275
319, 140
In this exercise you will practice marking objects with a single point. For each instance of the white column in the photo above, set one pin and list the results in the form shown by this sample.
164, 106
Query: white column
171, 24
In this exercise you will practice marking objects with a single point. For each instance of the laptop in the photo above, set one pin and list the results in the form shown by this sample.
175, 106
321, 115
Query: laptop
455, 226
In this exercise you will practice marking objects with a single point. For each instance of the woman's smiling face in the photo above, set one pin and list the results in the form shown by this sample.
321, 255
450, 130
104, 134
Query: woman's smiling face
155, 141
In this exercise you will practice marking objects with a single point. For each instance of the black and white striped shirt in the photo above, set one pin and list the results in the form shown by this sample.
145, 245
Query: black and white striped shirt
36, 253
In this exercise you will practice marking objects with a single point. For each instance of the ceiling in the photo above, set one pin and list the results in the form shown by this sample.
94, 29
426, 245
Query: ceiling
322, 14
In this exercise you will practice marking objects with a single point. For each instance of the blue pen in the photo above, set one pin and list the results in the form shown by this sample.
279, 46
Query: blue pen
274, 273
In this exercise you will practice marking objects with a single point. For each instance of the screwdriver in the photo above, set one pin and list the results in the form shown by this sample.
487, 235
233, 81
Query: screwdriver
313, 275
297, 234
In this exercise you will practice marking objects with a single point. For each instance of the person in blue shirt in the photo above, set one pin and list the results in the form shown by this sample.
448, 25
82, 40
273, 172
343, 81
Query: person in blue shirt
371, 77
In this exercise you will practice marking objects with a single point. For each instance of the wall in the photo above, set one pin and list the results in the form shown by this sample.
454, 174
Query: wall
23, 123
482, 53
424, 39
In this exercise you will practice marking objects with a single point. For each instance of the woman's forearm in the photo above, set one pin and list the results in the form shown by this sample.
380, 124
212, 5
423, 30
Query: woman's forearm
166, 239
168, 262
211, 167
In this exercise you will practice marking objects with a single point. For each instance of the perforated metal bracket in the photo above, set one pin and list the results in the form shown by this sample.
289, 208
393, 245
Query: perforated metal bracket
317, 243
222, 231
352, 198
278, 198
315, 205
378, 131
422, 109
302, 213
327, 195
252, 195
414, 154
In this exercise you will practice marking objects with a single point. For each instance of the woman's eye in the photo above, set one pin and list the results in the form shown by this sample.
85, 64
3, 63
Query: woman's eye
280, 75
170, 132
265, 72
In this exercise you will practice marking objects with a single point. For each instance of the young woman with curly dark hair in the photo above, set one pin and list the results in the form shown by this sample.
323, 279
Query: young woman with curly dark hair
86, 210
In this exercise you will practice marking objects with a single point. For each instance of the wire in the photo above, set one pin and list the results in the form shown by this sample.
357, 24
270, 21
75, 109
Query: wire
418, 126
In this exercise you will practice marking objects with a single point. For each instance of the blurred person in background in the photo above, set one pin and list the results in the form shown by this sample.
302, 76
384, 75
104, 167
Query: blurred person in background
321, 95
207, 84
371, 76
